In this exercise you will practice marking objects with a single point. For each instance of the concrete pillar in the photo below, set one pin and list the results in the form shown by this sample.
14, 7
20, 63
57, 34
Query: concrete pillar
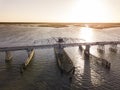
64, 61
8, 56
87, 51
29, 51
106, 64
113, 48
27, 61
101, 48
60, 49
30, 56
80, 47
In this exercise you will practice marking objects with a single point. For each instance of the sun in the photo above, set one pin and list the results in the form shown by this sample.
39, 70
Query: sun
88, 11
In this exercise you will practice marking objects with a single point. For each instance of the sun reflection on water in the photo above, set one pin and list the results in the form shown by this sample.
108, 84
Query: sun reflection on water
86, 33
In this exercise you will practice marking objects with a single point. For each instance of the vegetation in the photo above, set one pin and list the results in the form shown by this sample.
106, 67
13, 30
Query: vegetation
59, 25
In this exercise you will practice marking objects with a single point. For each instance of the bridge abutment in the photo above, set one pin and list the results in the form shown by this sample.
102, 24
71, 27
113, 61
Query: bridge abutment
8, 56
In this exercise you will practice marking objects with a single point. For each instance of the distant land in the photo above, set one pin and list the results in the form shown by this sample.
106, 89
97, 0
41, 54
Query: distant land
58, 25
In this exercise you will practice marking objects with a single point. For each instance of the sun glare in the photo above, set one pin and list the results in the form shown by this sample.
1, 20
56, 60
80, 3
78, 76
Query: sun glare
86, 33
88, 11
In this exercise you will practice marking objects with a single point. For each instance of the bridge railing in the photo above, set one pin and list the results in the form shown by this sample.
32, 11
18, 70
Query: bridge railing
53, 42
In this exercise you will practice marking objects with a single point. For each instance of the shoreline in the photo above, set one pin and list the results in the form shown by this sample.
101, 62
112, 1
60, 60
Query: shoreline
60, 25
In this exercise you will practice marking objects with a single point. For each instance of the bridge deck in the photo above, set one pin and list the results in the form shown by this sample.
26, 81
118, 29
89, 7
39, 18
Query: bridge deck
64, 44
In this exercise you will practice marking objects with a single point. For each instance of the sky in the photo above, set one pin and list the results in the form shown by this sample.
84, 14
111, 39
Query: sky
59, 10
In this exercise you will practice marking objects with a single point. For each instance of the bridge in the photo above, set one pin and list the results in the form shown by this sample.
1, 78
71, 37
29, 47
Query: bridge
59, 43
55, 43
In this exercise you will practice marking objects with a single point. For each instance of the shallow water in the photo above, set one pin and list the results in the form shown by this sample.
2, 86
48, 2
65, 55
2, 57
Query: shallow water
43, 72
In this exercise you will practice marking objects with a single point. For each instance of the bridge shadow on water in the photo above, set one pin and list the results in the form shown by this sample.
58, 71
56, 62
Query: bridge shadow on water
88, 74
82, 78
86, 78
44, 74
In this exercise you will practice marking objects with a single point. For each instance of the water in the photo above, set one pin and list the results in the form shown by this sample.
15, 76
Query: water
43, 72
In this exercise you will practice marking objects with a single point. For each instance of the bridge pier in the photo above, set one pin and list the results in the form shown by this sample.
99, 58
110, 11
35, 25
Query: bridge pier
8, 56
87, 51
106, 64
31, 53
113, 48
80, 47
64, 61
101, 48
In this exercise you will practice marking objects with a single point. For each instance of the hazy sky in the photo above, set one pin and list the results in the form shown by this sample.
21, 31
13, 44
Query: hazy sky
60, 10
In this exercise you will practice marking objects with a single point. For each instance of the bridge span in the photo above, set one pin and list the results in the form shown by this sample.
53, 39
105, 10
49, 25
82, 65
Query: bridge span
60, 43
57, 45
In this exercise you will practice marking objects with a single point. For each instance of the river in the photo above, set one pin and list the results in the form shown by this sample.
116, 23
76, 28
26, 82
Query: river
43, 72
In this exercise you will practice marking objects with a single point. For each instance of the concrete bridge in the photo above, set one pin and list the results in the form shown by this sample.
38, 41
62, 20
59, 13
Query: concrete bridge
59, 43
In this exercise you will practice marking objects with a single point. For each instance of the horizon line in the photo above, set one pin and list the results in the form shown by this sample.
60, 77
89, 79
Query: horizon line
25, 22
